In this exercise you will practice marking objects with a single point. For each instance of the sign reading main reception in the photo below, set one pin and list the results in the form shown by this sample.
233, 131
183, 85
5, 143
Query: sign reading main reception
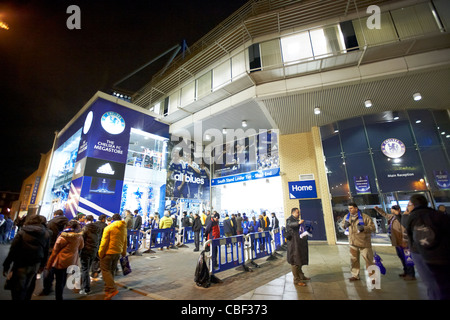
302, 189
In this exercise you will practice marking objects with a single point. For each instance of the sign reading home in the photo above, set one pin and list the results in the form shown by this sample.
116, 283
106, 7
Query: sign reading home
302, 189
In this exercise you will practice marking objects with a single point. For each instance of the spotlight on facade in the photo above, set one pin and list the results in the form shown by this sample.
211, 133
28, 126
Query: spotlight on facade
417, 96
316, 110
244, 123
368, 103
224, 130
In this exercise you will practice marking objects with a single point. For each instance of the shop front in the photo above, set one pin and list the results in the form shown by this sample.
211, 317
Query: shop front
110, 157
246, 177
382, 159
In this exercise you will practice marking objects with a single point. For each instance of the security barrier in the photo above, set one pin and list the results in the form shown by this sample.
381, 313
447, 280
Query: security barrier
159, 238
188, 235
279, 239
133, 243
237, 251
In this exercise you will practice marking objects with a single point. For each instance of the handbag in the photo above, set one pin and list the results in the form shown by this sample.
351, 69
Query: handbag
125, 264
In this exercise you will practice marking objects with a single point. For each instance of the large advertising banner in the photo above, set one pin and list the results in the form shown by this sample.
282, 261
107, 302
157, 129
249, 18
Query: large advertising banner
188, 176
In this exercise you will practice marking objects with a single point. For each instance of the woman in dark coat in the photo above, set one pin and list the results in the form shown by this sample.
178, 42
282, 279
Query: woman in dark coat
297, 248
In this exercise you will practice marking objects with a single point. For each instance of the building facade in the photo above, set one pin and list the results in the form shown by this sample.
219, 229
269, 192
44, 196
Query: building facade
308, 104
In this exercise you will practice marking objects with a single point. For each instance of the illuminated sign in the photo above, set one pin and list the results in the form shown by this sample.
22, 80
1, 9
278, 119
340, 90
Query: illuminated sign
393, 148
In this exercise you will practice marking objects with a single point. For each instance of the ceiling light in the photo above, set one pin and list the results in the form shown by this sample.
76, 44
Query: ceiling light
224, 131
368, 103
417, 96
316, 110
207, 137
418, 121
244, 123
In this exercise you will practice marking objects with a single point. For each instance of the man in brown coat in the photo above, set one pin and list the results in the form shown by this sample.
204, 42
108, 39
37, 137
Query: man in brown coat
360, 227
399, 240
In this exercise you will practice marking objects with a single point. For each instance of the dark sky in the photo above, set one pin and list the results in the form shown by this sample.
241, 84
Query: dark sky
48, 72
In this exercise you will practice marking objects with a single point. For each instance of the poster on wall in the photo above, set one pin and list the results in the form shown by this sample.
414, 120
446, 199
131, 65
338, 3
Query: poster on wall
362, 184
442, 179
188, 177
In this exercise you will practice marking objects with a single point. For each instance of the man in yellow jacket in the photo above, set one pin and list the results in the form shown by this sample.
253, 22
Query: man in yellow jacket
112, 246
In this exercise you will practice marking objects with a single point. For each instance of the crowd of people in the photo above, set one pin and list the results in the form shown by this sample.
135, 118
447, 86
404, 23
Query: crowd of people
49, 248
420, 236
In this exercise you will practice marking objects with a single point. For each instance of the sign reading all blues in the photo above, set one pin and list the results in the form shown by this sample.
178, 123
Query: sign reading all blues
362, 185
302, 189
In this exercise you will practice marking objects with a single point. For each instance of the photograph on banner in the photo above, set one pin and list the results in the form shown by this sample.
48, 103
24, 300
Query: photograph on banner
188, 175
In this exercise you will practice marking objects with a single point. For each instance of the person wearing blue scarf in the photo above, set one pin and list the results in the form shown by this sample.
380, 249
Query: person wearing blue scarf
359, 227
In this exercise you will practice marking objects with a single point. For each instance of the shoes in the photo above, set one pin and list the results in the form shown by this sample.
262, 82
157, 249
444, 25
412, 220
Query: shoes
195, 250
109, 295
43, 293
305, 279
402, 275
353, 279
84, 292
409, 278
300, 284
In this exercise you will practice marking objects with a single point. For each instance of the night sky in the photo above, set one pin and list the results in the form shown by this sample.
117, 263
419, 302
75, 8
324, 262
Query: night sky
48, 72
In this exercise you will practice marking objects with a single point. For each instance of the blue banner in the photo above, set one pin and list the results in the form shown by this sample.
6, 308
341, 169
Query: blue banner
254, 175
362, 185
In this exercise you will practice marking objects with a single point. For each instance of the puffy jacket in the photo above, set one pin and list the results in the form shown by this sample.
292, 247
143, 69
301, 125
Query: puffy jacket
114, 239
56, 225
66, 250
165, 222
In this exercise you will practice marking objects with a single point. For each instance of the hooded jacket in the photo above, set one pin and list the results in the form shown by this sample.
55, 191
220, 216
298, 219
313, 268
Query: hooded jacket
91, 235
29, 247
114, 239
66, 250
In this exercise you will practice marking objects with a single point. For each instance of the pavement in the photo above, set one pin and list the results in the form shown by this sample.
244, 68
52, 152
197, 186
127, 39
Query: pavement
169, 275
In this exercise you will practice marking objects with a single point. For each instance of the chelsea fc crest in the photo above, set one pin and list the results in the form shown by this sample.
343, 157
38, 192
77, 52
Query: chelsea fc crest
393, 148
113, 122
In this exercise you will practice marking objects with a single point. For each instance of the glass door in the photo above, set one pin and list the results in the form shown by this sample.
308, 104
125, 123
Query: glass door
401, 198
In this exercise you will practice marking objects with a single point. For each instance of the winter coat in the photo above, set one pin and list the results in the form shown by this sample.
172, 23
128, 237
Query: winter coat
165, 222
129, 221
56, 225
66, 250
197, 225
212, 229
228, 227
297, 248
428, 235
29, 247
137, 222
360, 239
92, 236
397, 230
114, 239
239, 225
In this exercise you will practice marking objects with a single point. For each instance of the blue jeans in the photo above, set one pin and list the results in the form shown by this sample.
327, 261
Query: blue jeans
435, 277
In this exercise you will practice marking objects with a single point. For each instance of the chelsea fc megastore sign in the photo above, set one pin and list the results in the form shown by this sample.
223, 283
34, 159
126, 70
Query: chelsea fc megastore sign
103, 130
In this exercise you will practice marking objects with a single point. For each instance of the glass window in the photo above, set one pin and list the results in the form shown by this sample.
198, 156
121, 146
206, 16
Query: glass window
437, 167
254, 57
337, 178
204, 85
271, 53
443, 11
327, 41
349, 35
385, 34
238, 67
330, 140
353, 136
296, 48
414, 20
174, 101
187, 94
360, 173
221, 75
424, 128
